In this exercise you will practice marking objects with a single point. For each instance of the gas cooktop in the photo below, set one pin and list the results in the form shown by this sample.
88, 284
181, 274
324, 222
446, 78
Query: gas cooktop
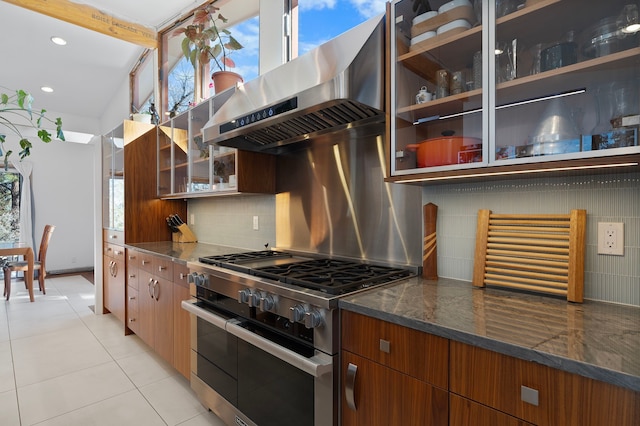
331, 276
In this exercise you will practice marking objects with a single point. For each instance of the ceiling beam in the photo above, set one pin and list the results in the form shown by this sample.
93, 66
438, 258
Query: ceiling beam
93, 19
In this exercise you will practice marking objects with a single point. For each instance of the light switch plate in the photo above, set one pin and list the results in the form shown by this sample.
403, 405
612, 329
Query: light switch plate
611, 238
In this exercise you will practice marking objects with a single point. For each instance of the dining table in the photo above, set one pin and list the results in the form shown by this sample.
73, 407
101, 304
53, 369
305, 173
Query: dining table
8, 248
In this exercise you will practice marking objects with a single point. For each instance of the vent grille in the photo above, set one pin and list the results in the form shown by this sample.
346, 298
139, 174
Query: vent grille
335, 117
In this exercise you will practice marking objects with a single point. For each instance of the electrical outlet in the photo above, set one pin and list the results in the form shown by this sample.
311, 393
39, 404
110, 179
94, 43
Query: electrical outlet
611, 238
255, 223
192, 219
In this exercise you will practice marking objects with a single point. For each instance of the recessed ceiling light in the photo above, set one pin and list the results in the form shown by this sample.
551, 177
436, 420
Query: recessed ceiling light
58, 40
46, 89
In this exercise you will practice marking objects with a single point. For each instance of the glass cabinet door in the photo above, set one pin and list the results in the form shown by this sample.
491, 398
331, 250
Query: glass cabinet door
437, 97
199, 152
567, 79
113, 179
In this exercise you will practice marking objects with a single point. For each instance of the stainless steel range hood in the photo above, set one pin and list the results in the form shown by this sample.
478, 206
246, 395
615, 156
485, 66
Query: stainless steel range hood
337, 86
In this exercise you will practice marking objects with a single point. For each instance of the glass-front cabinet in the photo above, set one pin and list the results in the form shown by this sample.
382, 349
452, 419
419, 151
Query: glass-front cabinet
190, 167
184, 162
507, 85
113, 179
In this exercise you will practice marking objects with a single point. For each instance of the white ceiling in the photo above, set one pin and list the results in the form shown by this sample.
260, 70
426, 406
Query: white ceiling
86, 72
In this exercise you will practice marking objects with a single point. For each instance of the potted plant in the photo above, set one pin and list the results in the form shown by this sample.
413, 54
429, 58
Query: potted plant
204, 41
15, 113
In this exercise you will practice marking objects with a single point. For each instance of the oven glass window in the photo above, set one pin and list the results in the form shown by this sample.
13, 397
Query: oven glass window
271, 391
217, 360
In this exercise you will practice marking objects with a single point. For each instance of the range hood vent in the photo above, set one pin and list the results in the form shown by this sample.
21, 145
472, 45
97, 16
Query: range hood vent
336, 87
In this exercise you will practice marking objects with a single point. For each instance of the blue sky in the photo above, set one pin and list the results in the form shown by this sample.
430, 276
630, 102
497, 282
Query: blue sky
320, 20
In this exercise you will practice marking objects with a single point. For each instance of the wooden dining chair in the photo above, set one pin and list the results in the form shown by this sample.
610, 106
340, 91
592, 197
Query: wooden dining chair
38, 264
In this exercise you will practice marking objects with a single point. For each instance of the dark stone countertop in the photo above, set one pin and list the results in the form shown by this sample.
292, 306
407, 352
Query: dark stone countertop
593, 339
184, 252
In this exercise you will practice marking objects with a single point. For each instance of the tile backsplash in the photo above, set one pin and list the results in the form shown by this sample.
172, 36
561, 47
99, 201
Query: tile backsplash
605, 197
229, 220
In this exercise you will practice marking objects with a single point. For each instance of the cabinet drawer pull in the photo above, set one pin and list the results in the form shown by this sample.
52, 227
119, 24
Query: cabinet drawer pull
350, 385
132, 298
149, 287
162, 268
113, 237
385, 346
132, 258
144, 262
132, 276
182, 276
156, 286
132, 319
529, 395
117, 252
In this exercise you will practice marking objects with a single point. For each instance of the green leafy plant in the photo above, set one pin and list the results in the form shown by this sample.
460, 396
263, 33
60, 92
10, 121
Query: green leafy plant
204, 40
16, 112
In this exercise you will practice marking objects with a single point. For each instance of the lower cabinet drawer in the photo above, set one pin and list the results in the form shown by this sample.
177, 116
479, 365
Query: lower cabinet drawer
536, 393
464, 412
373, 394
410, 351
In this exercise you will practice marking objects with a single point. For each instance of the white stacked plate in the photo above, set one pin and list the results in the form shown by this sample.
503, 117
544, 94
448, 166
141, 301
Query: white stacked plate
423, 17
422, 37
458, 24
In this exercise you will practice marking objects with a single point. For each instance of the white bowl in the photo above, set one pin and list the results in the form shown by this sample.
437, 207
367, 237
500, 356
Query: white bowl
458, 23
423, 17
422, 37
453, 4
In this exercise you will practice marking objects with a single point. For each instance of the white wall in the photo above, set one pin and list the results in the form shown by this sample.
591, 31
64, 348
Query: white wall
63, 191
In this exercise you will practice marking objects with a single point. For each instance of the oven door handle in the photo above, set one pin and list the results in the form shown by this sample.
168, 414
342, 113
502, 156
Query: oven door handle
318, 365
189, 306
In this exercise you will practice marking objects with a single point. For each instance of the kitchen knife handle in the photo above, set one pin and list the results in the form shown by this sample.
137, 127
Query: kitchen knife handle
350, 384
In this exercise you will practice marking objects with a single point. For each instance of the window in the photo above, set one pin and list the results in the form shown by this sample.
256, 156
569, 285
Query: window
10, 205
176, 72
142, 78
320, 21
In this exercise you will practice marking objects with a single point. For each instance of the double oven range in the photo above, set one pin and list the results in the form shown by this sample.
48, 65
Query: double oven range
265, 333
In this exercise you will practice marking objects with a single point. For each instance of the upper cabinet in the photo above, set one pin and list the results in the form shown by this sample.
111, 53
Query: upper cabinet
483, 87
129, 179
188, 167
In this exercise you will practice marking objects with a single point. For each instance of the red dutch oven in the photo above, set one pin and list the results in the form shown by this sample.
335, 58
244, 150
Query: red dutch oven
440, 151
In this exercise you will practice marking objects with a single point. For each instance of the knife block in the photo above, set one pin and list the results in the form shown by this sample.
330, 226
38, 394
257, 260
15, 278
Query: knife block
184, 235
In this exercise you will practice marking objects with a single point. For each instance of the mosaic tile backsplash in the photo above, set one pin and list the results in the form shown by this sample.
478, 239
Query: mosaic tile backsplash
606, 198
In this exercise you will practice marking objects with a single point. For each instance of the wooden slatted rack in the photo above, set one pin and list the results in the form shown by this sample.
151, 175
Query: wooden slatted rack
537, 252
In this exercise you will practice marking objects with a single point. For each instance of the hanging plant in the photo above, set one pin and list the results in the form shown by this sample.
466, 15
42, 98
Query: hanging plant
16, 112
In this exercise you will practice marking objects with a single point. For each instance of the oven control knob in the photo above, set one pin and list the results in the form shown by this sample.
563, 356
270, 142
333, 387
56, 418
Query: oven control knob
296, 313
312, 319
267, 303
254, 299
243, 295
197, 279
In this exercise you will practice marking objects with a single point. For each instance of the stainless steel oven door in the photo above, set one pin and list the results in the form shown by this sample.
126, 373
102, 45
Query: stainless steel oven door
274, 383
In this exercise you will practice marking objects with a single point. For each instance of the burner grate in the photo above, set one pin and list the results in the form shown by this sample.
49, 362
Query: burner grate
332, 276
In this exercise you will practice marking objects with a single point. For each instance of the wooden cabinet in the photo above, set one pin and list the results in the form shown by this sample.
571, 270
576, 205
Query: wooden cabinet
190, 168
132, 292
129, 179
500, 85
157, 286
155, 304
114, 280
181, 322
392, 374
464, 412
536, 393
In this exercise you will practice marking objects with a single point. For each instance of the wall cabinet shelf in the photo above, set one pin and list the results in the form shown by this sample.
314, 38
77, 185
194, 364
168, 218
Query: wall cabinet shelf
189, 168
500, 83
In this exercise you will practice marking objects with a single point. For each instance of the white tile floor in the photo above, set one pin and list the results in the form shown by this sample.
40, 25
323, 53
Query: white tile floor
60, 364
